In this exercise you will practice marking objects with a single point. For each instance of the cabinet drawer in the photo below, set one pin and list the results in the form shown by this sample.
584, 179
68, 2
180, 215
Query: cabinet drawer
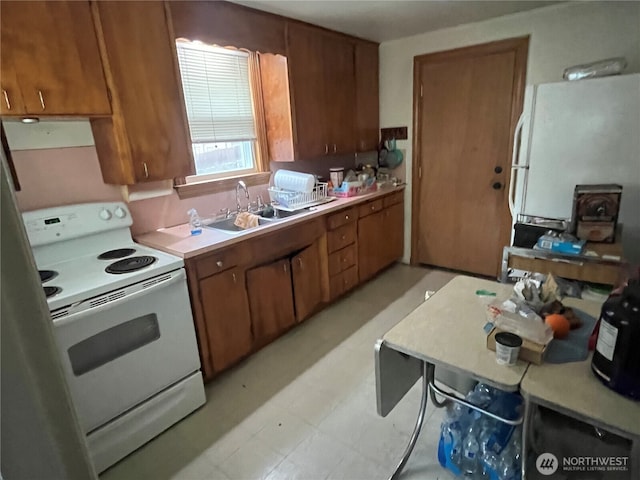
219, 261
343, 282
341, 237
342, 259
392, 199
345, 216
370, 207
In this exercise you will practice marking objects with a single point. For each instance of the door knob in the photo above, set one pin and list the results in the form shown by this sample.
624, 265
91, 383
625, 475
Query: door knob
496, 186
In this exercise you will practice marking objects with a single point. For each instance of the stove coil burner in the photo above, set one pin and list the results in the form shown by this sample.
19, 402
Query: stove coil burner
131, 264
46, 275
118, 253
51, 291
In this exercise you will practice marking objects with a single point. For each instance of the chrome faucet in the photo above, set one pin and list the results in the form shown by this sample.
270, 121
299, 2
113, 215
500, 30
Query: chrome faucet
243, 186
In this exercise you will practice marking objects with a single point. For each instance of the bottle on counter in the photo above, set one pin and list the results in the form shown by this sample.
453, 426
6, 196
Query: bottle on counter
195, 222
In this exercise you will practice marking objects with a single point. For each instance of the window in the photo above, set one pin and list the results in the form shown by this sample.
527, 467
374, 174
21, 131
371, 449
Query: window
220, 111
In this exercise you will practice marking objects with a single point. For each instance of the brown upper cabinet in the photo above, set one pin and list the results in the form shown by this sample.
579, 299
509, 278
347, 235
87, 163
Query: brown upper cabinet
50, 63
367, 94
227, 24
147, 137
322, 83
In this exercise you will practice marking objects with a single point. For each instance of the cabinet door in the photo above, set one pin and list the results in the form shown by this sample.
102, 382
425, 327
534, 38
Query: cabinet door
270, 300
339, 94
148, 138
305, 55
394, 228
226, 312
372, 240
306, 281
367, 96
50, 49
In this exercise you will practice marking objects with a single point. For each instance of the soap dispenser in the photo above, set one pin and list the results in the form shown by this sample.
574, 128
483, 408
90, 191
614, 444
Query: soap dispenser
195, 222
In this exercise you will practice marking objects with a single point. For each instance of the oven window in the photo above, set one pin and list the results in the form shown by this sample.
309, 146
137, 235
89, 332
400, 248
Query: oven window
115, 342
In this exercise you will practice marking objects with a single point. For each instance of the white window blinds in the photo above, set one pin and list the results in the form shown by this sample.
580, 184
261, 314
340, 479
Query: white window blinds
217, 93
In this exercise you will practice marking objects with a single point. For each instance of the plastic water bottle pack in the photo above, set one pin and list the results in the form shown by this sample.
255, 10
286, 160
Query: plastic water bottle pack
474, 445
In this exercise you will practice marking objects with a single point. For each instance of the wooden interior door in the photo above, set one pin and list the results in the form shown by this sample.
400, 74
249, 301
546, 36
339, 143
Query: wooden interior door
467, 104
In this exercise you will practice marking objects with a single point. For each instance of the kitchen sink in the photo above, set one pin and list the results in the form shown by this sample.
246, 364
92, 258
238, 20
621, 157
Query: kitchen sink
227, 225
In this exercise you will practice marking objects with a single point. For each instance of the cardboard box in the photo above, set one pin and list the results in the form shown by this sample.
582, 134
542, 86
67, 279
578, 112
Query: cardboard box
529, 352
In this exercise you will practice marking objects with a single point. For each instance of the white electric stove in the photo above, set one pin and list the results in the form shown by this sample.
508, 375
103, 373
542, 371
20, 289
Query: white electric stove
123, 325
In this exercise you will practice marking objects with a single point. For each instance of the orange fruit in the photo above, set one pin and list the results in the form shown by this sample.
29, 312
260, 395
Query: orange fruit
559, 324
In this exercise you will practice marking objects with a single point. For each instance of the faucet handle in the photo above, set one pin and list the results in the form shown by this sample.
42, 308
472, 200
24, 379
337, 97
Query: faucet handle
259, 202
226, 212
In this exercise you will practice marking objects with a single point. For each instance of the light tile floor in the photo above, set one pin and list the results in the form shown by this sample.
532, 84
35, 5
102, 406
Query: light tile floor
304, 406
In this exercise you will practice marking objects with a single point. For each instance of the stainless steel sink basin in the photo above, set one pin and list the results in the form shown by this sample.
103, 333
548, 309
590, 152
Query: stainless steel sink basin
227, 225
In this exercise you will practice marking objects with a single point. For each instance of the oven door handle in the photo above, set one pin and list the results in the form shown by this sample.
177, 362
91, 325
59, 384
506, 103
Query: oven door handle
113, 299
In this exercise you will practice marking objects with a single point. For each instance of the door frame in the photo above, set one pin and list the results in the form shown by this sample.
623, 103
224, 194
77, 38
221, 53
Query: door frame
518, 45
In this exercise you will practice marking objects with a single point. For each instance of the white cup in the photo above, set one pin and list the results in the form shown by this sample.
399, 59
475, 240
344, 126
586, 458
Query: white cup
336, 175
507, 348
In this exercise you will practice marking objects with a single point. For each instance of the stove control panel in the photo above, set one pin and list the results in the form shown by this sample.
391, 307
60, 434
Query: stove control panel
51, 225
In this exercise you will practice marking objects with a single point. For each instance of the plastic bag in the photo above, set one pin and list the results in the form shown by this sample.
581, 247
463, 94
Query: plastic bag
601, 68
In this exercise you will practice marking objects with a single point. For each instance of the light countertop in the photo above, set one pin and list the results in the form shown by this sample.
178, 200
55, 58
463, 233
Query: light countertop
447, 330
572, 388
179, 241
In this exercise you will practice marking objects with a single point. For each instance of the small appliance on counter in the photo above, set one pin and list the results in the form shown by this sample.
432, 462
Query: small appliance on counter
616, 359
595, 212
528, 229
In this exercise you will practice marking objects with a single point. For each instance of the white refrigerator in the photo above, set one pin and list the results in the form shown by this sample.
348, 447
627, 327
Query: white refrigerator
579, 132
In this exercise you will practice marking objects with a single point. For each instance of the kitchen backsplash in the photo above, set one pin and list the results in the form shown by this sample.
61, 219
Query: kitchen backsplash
57, 164
60, 176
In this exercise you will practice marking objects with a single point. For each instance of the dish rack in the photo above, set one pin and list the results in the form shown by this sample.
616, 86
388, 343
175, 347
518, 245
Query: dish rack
291, 200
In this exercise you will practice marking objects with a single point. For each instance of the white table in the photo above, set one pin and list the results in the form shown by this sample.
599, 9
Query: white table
447, 331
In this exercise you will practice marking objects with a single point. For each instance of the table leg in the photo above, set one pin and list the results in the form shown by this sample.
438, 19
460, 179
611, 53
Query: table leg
417, 429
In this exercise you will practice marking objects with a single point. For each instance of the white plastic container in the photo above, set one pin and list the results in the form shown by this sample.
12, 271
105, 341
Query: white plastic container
294, 181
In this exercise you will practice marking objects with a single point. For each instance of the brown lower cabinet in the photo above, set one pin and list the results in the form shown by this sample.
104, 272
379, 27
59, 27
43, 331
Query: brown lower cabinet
270, 300
227, 317
380, 235
307, 279
247, 295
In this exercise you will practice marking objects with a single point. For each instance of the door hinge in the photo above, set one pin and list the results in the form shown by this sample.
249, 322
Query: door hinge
419, 172
420, 90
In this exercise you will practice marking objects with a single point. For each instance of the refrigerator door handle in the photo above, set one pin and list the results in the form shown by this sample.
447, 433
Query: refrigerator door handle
514, 164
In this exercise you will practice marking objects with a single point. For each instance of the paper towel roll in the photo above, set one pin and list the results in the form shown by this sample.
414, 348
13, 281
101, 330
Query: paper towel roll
296, 181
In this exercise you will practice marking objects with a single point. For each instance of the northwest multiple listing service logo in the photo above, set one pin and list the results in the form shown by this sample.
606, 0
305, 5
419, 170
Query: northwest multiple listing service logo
547, 464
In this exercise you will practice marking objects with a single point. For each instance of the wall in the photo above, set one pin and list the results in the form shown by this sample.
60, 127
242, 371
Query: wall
57, 164
560, 36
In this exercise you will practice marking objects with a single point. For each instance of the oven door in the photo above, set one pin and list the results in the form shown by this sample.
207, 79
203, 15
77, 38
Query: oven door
122, 348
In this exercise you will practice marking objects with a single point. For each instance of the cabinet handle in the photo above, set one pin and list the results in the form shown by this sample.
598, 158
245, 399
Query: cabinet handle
300, 262
346, 217
219, 263
343, 237
41, 99
326, 148
373, 207
334, 148
146, 170
234, 277
6, 99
